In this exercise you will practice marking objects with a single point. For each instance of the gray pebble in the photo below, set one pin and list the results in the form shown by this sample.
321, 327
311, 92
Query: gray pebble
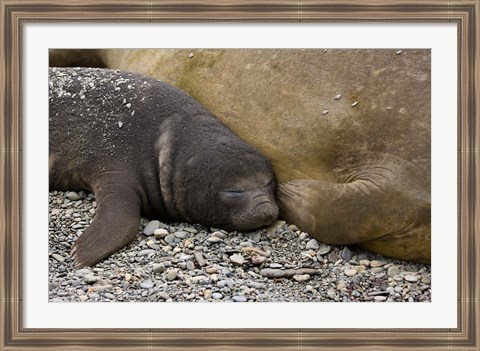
237, 259
90, 279
312, 244
392, 271
182, 235
190, 265
109, 296
190, 230
163, 295
151, 227
160, 233
58, 257
239, 298
275, 265
410, 278
148, 284
346, 254
171, 274
219, 234
72, 196
145, 252
337, 97
323, 249
217, 296
170, 239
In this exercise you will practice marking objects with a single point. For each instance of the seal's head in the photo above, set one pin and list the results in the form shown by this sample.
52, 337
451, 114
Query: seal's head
208, 175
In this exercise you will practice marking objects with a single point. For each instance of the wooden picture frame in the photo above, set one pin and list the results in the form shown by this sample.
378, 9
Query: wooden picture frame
16, 13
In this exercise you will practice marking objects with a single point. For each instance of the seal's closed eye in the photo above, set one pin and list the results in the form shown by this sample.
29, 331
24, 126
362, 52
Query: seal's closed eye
233, 193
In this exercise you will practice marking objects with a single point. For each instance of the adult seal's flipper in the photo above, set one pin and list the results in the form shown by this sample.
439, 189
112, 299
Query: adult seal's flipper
377, 201
115, 223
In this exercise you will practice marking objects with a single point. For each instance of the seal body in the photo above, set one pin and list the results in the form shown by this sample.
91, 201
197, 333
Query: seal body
146, 148
347, 132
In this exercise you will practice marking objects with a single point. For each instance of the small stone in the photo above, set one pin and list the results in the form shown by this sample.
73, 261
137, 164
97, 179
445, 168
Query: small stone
360, 268
128, 105
145, 252
301, 277
90, 278
331, 294
207, 294
426, 280
182, 235
190, 265
94, 297
190, 230
350, 272
346, 254
324, 249
237, 259
341, 285
410, 278
239, 298
257, 259
355, 104
275, 265
365, 263
324, 112
190, 55
151, 227
163, 295
148, 284
217, 296
109, 296
312, 244
158, 268
337, 97
218, 234
392, 271
72, 196
120, 124
199, 257
171, 274
380, 298
398, 52
212, 270
128, 277
214, 239
58, 257
390, 290
160, 233
376, 263
170, 239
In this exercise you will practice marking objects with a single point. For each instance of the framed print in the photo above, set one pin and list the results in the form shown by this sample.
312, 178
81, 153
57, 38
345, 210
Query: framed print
387, 78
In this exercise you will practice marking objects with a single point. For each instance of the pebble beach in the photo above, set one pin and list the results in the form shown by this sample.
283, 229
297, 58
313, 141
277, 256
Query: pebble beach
180, 262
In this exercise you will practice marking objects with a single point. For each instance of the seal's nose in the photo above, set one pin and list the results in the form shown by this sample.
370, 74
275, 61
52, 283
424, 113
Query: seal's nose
266, 212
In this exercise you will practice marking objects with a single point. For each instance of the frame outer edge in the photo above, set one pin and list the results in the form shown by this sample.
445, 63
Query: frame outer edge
10, 212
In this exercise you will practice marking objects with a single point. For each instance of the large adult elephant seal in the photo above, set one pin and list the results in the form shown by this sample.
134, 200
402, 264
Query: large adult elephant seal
347, 132
144, 147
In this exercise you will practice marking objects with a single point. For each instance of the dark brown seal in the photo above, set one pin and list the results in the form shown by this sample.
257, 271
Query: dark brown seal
146, 148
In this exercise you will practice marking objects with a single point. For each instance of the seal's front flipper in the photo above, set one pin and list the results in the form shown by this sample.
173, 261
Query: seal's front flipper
115, 223
370, 201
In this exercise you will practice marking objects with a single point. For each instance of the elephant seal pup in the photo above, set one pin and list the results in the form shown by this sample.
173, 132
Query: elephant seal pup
146, 148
